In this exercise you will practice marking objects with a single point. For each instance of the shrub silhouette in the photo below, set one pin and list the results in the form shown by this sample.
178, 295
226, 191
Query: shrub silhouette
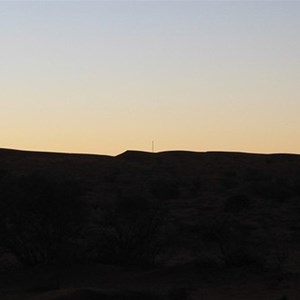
43, 219
236, 244
131, 232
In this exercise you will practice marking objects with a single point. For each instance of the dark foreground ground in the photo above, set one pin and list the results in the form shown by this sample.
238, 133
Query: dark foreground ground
88, 282
164, 226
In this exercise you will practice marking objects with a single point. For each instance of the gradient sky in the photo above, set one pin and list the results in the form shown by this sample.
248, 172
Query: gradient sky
104, 77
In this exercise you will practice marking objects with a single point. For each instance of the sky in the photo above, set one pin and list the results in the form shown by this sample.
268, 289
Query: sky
108, 76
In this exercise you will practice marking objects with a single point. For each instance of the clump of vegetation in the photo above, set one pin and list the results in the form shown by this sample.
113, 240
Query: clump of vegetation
235, 244
130, 232
42, 221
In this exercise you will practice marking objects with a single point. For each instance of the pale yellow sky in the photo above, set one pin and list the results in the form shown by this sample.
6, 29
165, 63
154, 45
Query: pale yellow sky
104, 77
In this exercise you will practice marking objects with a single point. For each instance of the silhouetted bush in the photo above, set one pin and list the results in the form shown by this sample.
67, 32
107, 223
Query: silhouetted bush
43, 219
130, 232
236, 245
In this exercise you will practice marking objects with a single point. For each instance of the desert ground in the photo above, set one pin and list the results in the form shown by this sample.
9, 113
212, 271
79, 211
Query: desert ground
168, 225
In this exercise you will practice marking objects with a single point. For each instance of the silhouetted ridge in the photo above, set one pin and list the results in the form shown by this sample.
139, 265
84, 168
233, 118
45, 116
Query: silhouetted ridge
207, 212
135, 155
16, 152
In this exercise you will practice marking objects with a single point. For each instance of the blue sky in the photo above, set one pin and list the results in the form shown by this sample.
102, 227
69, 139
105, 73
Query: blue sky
104, 77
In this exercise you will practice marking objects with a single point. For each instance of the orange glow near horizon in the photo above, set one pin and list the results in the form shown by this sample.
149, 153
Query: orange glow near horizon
103, 78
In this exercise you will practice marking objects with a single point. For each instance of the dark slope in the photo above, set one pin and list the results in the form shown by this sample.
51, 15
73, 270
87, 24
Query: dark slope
230, 218
214, 171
